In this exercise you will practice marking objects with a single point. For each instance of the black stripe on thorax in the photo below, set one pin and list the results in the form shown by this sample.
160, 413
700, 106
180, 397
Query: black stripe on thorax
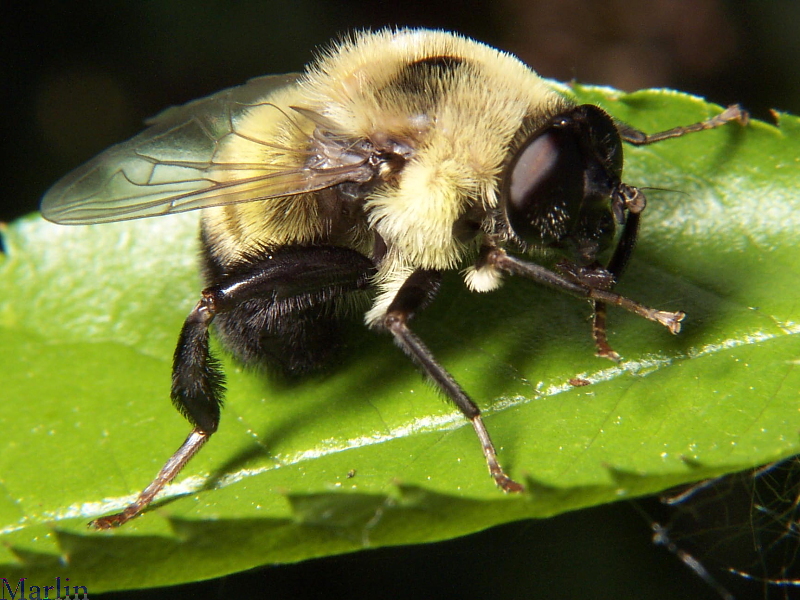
416, 78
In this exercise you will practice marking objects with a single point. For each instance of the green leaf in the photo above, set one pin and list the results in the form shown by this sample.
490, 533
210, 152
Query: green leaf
367, 455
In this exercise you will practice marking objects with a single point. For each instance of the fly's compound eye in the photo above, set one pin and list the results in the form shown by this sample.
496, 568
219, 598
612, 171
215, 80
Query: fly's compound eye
559, 184
545, 186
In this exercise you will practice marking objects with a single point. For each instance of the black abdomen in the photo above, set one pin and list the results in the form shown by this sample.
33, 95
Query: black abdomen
296, 295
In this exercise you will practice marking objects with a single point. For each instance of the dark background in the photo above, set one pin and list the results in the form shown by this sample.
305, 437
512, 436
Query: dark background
79, 76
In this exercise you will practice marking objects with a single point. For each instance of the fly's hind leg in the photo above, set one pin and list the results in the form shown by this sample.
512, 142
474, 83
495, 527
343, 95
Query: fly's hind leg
197, 389
282, 281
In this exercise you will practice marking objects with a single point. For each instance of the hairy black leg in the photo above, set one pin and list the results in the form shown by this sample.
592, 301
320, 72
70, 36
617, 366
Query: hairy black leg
292, 278
413, 295
515, 266
197, 388
197, 380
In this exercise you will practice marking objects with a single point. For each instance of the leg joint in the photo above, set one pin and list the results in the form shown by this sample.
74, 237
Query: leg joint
394, 320
204, 311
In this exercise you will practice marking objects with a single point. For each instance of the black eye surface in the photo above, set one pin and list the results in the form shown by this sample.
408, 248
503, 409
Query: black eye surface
602, 137
545, 186
558, 186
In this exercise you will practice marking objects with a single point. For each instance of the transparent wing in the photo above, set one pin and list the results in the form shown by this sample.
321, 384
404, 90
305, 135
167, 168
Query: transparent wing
173, 166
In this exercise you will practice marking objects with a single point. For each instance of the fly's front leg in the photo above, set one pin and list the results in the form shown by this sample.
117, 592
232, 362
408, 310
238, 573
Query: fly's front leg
628, 203
631, 201
639, 138
515, 266
413, 295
